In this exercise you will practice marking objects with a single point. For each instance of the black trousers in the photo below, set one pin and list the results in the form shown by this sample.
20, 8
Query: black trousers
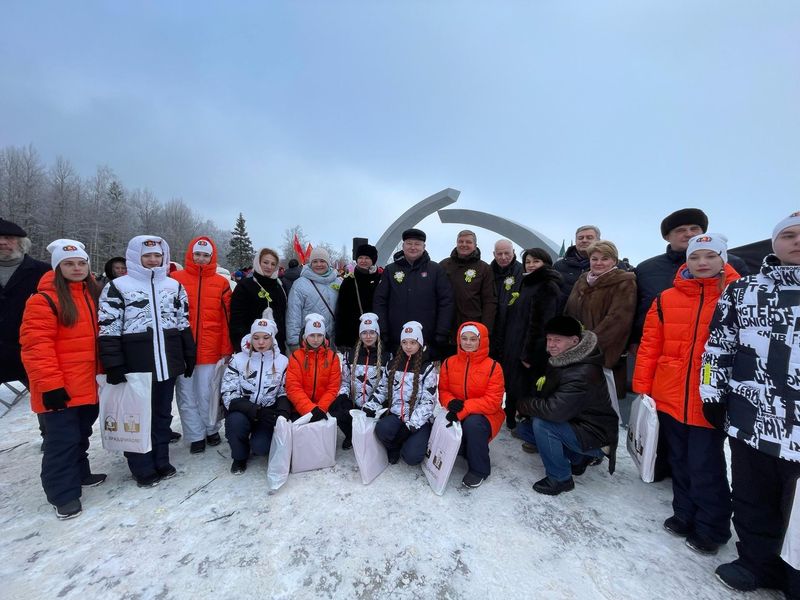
475, 433
65, 461
763, 492
246, 436
145, 465
700, 493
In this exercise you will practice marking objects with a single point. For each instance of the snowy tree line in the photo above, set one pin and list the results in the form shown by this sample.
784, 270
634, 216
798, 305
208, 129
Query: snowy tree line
54, 201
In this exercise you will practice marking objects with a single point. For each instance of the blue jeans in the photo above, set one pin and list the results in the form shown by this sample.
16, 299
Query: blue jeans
559, 448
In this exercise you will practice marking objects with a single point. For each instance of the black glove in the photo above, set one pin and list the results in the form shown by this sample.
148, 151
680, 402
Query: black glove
317, 414
343, 400
245, 407
455, 405
368, 411
268, 415
55, 399
451, 416
715, 413
402, 435
190, 363
116, 375
283, 407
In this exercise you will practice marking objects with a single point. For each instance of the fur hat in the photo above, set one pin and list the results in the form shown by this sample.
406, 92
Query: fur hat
63, 249
315, 323
367, 250
11, 229
412, 331
369, 322
684, 216
203, 245
267, 326
319, 253
414, 234
791, 220
563, 325
709, 241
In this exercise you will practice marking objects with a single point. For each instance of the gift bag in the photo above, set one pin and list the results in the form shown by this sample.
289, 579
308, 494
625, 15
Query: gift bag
280, 454
612, 389
443, 446
370, 453
643, 436
125, 413
790, 552
215, 410
313, 444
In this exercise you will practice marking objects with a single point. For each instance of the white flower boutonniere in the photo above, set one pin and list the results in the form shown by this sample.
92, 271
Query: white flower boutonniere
469, 275
508, 282
399, 276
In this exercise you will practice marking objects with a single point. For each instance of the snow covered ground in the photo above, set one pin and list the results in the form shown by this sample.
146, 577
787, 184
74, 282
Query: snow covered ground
207, 533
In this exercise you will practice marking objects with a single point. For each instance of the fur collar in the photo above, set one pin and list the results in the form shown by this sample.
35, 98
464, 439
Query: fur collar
577, 353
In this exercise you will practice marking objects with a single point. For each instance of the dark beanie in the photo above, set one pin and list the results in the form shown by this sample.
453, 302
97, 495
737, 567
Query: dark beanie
12, 229
414, 234
539, 253
367, 250
684, 216
293, 263
563, 325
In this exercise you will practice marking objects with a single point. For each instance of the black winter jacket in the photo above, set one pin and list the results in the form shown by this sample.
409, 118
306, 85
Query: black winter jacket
506, 281
248, 303
361, 286
290, 275
571, 267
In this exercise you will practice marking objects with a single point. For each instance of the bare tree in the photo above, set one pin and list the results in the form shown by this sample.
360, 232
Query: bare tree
287, 250
64, 197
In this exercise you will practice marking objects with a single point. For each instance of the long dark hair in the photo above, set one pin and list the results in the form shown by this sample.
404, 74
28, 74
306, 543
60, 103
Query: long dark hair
68, 312
416, 364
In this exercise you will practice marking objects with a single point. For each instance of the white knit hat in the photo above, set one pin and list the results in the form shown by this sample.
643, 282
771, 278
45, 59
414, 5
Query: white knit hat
204, 246
790, 221
412, 331
469, 329
150, 246
369, 322
63, 249
267, 326
315, 323
319, 253
715, 242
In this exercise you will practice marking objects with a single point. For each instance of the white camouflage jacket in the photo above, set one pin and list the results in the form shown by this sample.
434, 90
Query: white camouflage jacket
402, 387
360, 375
258, 377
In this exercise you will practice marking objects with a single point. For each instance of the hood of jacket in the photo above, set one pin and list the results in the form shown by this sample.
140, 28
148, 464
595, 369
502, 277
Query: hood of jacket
693, 286
541, 275
328, 278
781, 274
204, 270
584, 351
133, 258
257, 264
474, 256
108, 269
483, 347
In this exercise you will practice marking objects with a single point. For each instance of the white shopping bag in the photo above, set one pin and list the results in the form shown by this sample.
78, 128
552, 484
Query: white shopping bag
125, 413
313, 444
643, 436
791, 541
370, 453
443, 447
280, 454
215, 410
612, 389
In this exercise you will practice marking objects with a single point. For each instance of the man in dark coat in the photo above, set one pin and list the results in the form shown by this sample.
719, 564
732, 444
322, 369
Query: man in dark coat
19, 276
473, 286
507, 272
414, 288
290, 275
575, 261
356, 296
573, 423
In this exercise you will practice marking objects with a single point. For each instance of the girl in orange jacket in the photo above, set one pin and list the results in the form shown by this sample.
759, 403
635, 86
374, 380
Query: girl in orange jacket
668, 370
59, 350
314, 373
209, 309
471, 389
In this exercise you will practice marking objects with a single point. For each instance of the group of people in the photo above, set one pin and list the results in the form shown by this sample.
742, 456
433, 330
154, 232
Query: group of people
537, 344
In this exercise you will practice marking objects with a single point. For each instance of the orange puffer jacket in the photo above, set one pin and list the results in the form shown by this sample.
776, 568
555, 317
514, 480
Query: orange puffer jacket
313, 378
476, 379
56, 356
669, 359
209, 305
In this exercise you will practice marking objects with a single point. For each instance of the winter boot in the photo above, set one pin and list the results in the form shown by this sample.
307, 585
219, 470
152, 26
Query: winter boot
70, 510
552, 487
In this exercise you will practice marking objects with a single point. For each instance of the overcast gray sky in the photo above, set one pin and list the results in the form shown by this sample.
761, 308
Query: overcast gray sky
338, 116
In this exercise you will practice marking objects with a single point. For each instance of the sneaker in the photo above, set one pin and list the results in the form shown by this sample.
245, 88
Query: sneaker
197, 447
552, 487
167, 472
701, 545
471, 480
174, 436
677, 527
238, 467
347, 444
148, 481
530, 448
736, 577
213, 439
70, 510
93, 479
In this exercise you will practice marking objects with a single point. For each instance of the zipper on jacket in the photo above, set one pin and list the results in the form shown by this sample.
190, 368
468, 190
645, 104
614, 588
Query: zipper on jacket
466, 370
260, 375
314, 387
691, 356
156, 333
197, 320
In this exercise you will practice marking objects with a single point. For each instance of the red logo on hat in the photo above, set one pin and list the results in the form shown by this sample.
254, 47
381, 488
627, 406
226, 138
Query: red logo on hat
705, 238
149, 243
70, 248
263, 323
316, 324
202, 243
368, 322
409, 330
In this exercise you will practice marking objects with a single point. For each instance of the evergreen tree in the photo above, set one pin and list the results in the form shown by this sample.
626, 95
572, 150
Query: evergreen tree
242, 252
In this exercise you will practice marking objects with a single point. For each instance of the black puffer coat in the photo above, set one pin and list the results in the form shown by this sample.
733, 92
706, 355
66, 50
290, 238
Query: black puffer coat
360, 286
506, 281
571, 267
247, 306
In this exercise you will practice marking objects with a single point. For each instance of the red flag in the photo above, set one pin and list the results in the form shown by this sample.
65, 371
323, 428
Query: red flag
308, 252
298, 250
